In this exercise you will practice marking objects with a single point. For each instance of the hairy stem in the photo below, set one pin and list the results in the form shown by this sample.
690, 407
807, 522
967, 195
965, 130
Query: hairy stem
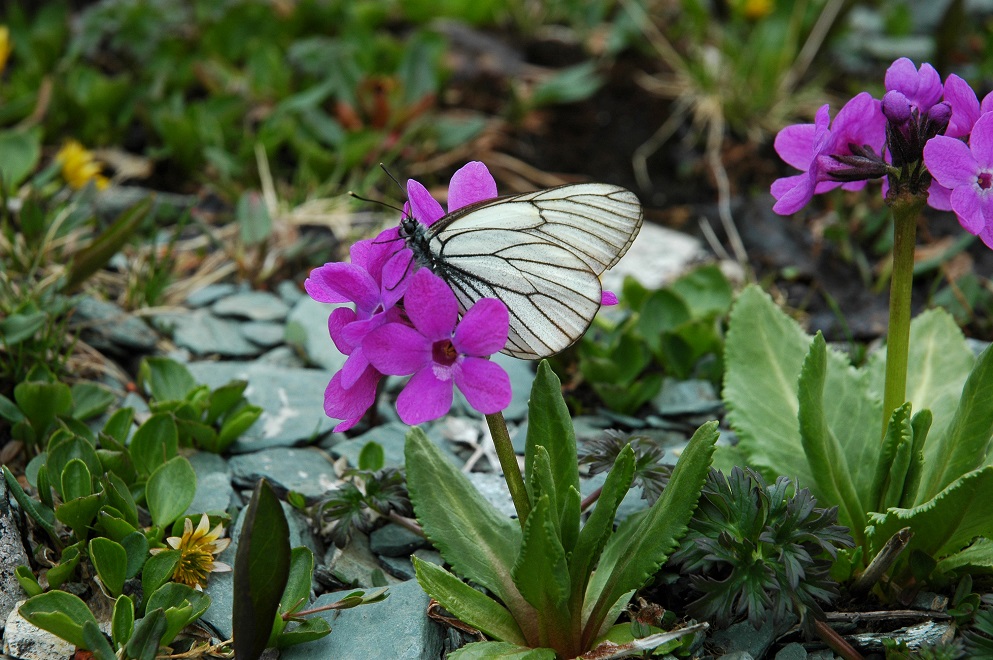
508, 462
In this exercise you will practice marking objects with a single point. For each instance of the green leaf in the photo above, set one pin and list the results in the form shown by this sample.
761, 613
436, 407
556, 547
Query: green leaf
166, 380
136, 546
252, 215
977, 557
629, 559
550, 426
500, 651
42, 402
21, 151
944, 525
477, 540
118, 426
303, 631
98, 252
119, 496
63, 449
298, 581
181, 604
144, 642
469, 605
158, 570
27, 580
122, 623
19, 327
40, 513
76, 480
568, 85
79, 513
61, 614
111, 561
155, 442
261, 570
235, 425
372, 457
894, 461
112, 525
60, 572
223, 399
832, 479
542, 574
966, 445
97, 643
705, 290
90, 400
170, 490
920, 427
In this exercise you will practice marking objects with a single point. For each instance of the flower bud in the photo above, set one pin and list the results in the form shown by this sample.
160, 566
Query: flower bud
938, 117
896, 107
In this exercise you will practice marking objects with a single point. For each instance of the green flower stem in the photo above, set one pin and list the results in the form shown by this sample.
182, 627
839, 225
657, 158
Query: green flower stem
508, 461
906, 208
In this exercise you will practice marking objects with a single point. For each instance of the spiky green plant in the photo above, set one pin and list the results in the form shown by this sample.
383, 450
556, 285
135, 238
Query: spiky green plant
757, 550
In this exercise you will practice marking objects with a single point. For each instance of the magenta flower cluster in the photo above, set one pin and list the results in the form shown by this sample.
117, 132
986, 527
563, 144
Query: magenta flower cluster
924, 137
405, 322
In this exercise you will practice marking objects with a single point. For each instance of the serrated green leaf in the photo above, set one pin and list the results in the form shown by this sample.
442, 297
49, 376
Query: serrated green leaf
60, 613
155, 442
833, 480
920, 426
966, 444
122, 621
944, 525
170, 490
550, 425
111, 561
500, 651
261, 570
629, 559
542, 574
469, 605
890, 476
477, 540
570, 521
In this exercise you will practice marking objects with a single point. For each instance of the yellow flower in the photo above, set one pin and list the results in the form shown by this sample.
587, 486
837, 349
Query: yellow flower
79, 167
5, 46
197, 548
756, 9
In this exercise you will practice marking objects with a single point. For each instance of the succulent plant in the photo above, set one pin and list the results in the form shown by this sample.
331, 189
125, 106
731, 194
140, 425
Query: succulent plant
757, 550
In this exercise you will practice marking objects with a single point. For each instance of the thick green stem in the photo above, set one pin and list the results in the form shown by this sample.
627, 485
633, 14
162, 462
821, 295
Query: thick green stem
508, 461
906, 208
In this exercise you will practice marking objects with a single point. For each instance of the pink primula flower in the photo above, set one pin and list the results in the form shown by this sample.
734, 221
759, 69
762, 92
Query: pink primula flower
442, 352
967, 170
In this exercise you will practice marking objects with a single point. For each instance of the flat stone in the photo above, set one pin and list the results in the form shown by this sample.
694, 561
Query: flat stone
687, 397
108, 327
390, 437
252, 305
394, 540
210, 294
494, 490
283, 356
792, 651
307, 330
23, 640
214, 490
651, 266
306, 470
289, 292
12, 554
292, 401
205, 334
355, 564
403, 567
263, 333
397, 628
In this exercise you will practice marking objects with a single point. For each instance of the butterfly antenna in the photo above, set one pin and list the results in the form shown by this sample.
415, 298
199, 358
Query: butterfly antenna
390, 174
375, 201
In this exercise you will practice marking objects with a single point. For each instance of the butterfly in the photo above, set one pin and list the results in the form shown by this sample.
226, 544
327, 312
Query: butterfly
541, 253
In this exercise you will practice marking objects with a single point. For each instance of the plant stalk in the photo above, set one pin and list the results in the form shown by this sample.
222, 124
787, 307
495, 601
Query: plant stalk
905, 208
508, 462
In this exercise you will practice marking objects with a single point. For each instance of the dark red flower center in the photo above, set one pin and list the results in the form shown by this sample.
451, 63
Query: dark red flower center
985, 180
444, 353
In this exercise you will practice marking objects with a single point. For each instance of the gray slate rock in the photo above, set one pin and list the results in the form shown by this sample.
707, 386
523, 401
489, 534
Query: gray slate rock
25, 641
651, 266
263, 333
354, 565
687, 397
210, 294
393, 540
289, 292
306, 470
12, 554
397, 628
214, 490
108, 327
494, 489
292, 401
403, 568
252, 305
307, 330
792, 651
205, 334
391, 438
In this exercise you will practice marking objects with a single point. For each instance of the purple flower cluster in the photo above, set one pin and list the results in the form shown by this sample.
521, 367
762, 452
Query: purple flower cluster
924, 137
405, 322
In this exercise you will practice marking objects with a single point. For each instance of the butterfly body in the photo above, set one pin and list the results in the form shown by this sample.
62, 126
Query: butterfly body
541, 253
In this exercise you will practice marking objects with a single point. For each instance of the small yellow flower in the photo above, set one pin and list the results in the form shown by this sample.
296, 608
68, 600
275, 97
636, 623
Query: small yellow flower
197, 548
756, 9
79, 167
5, 46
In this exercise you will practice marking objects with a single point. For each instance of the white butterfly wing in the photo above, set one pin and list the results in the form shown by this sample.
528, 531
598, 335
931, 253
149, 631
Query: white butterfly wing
541, 253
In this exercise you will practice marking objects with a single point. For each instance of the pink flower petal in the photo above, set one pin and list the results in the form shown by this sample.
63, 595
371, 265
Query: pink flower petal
396, 270
397, 349
950, 162
423, 207
792, 200
795, 145
485, 384
431, 305
470, 184
425, 397
340, 282
939, 197
969, 208
350, 404
981, 141
354, 367
484, 328
608, 298
965, 107
339, 319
